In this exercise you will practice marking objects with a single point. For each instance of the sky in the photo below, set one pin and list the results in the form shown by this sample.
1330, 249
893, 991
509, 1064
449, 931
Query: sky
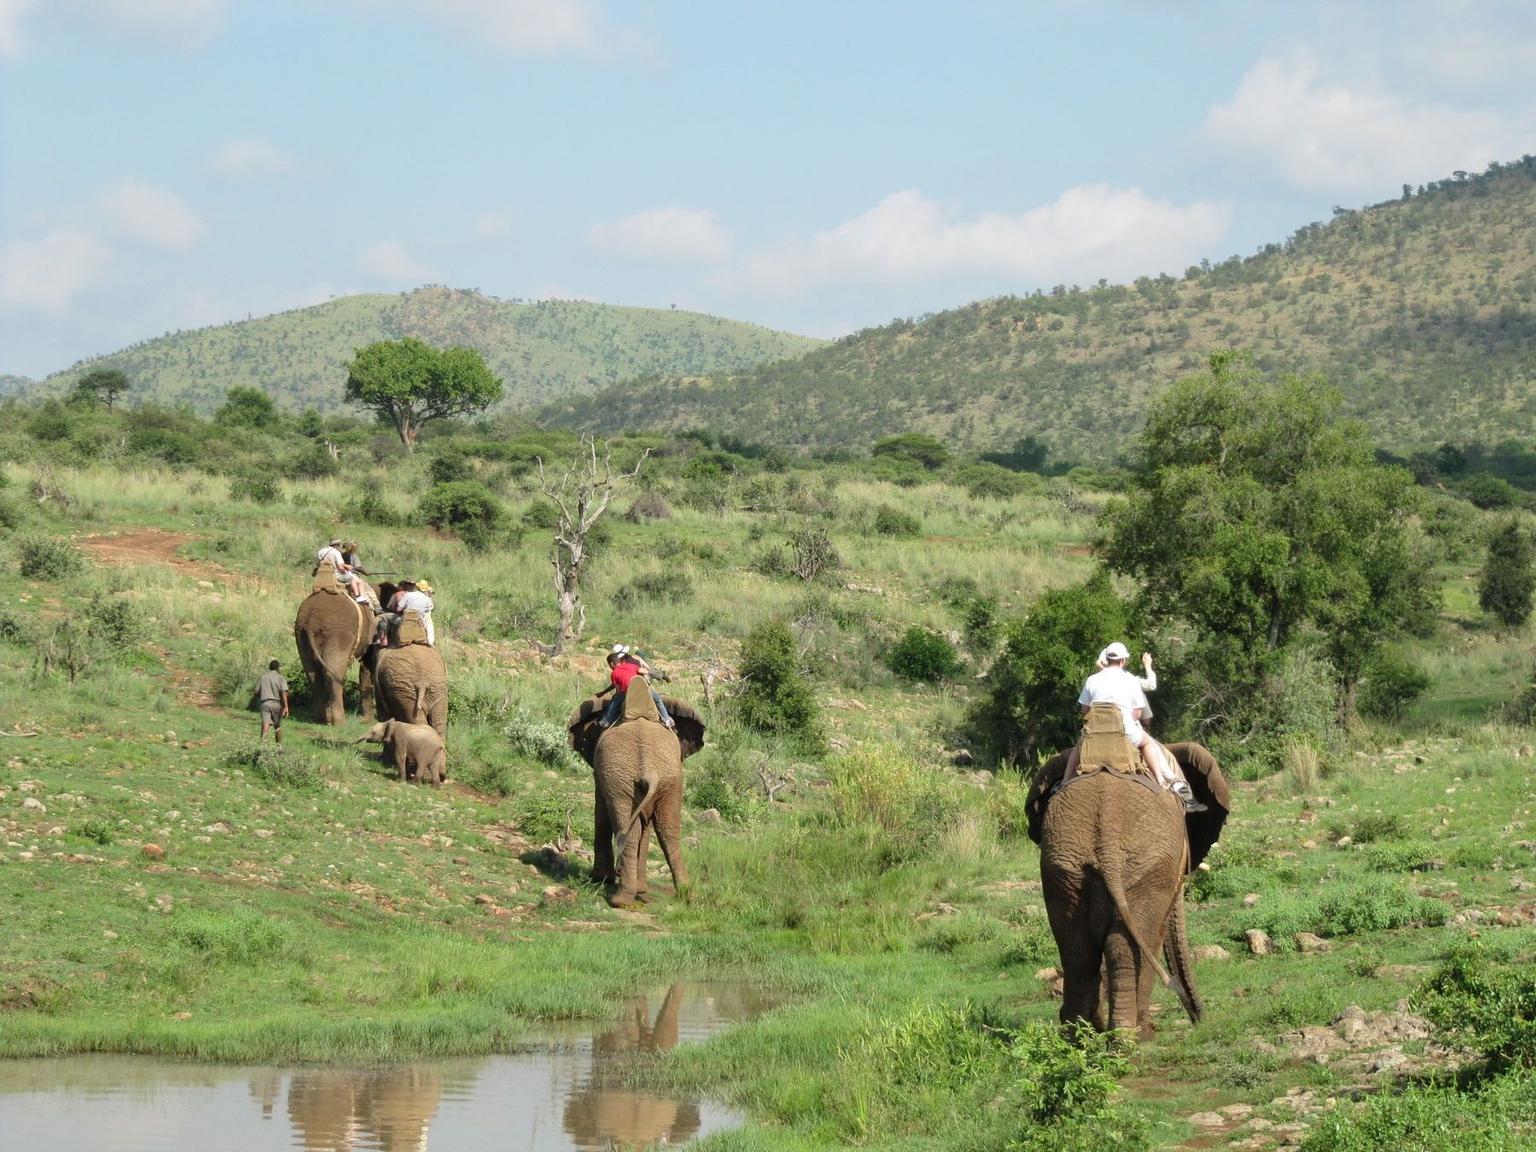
816, 167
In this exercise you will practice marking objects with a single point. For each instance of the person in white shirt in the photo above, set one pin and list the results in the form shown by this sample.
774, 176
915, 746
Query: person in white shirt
1114, 684
331, 554
410, 597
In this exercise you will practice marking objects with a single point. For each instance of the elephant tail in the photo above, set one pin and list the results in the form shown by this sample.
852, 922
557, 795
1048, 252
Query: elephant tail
1181, 962
1111, 863
418, 711
648, 781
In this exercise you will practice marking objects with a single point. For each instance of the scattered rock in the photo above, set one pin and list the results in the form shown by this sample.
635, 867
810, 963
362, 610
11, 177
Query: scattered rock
559, 893
1259, 942
153, 852
1250, 899
183, 1015
1211, 952
1523, 751
263, 833
1343, 842
33, 803
1237, 1111
484, 898
1046, 975
962, 758
1307, 942
109, 934
1207, 1120
709, 816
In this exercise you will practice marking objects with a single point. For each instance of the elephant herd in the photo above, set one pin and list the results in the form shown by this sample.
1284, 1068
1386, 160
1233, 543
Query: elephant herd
1114, 851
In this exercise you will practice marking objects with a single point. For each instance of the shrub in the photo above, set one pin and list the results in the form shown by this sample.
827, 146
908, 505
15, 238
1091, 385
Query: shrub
372, 508
465, 506
543, 815
1347, 908
255, 488
119, 624
13, 629
901, 806
985, 481
1490, 492
812, 554
918, 448
46, 558
67, 647
541, 514
275, 765
725, 778
450, 466
313, 462
1485, 1004
923, 655
542, 742
668, 586
95, 830
648, 506
241, 937
10, 516
894, 522
776, 698
1391, 684
1509, 576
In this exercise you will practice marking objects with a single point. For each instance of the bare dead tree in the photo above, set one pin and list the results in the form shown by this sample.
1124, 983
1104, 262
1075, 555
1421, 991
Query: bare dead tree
580, 495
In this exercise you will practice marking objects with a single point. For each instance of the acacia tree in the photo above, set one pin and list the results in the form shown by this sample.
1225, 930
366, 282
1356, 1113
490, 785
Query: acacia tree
408, 383
581, 495
103, 384
1258, 517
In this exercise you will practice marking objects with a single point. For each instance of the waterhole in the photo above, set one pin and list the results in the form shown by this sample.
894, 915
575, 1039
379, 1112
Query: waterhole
562, 1091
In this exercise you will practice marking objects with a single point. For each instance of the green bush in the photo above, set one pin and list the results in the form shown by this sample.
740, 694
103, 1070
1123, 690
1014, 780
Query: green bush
927, 452
901, 808
10, 516
668, 586
981, 624
1391, 684
985, 481
467, 507
1508, 580
47, 558
1494, 1117
542, 742
1485, 1002
275, 765
541, 514
117, 623
894, 522
776, 697
1346, 908
543, 815
372, 508
255, 488
13, 628
450, 466
924, 656
241, 937
724, 778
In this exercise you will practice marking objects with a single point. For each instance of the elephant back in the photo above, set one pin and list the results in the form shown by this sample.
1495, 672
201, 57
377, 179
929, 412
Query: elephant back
333, 622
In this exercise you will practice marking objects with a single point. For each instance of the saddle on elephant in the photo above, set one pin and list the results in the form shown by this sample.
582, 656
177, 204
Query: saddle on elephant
1104, 746
411, 629
325, 579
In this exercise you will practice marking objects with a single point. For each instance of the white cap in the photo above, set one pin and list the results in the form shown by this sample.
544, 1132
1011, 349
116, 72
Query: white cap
1116, 651
619, 650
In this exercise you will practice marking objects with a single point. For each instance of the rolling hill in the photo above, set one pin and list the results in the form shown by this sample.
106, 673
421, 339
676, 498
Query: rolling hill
541, 350
1421, 311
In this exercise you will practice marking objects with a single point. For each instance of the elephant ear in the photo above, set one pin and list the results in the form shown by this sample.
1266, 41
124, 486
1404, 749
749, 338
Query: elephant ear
1210, 787
1048, 777
583, 728
690, 725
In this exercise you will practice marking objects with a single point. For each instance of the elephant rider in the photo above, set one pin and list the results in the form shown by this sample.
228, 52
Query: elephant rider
352, 560
331, 554
624, 665
408, 597
1115, 685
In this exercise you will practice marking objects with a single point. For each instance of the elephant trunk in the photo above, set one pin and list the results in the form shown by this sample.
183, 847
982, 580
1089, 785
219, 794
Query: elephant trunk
1181, 960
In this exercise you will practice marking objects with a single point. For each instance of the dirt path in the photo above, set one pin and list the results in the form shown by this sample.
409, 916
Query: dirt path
153, 546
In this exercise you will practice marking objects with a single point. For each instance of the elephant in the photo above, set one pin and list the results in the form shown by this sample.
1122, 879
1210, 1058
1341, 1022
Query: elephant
412, 748
1114, 850
411, 684
637, 767
332, 630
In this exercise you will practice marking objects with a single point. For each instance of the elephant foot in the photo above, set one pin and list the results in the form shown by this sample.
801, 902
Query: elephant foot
622, 900
643, 897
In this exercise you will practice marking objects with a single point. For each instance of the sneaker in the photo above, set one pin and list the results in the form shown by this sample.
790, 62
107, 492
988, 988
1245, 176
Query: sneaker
1186, 796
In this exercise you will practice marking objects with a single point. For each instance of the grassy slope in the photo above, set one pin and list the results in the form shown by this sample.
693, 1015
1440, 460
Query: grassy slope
342, 921
1422, 312
542, 351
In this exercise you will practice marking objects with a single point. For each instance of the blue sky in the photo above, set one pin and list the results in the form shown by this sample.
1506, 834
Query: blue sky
817, 167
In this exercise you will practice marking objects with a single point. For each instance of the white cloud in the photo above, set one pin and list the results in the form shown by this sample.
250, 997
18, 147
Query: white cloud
45, 276
160, 19
11, 12
533, 27
151, 215
664, 235
493, 225
250, 156
1322, 135
388, 260
1088, 232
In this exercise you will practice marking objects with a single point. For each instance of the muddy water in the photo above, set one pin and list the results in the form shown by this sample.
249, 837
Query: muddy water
561, 1093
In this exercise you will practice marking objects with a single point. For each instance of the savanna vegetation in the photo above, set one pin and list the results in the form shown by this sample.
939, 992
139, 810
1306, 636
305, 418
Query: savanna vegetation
879, 644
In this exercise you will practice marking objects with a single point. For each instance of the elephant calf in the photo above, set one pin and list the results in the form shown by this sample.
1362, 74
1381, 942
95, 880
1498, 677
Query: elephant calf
413, 748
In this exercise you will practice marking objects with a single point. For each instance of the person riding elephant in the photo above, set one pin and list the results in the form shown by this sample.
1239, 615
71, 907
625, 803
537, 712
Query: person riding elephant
1114, 850
637, 767
331, 630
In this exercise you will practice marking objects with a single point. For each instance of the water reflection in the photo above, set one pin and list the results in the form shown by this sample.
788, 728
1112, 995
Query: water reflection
565, 1094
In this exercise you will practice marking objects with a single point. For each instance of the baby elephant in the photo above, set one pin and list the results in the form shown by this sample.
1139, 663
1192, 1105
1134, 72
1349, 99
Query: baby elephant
414, 748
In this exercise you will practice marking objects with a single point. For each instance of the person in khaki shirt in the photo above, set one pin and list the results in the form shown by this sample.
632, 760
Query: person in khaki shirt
272, 695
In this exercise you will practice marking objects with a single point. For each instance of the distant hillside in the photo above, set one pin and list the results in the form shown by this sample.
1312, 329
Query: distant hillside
12, 385
543, 350
1422, 311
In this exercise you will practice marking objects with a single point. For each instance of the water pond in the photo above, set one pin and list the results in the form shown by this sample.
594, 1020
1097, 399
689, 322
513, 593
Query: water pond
559, 1093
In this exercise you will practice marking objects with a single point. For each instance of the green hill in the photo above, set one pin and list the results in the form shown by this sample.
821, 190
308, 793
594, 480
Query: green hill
12, 385
542, 350
1422, 311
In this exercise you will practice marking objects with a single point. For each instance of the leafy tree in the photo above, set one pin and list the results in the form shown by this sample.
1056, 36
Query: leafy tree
1256, 517
1032, 706
777, 698
1508, 579
246, 408
408, 383
101, 385
917, 447
1028, 454
923, 655
467, 507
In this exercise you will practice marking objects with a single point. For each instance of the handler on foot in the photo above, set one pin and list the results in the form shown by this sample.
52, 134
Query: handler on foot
272, 694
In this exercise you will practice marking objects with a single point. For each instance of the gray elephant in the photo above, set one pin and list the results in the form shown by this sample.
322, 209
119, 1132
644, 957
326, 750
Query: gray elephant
411, 683
637, 766
331, 631
414, 750
1114, 850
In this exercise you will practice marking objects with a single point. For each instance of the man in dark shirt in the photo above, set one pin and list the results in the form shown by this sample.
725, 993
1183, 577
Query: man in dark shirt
272, 693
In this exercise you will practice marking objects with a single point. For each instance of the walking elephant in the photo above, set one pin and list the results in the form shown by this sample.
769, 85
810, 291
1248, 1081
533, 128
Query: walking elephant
411, 683
637, 766
331, 631
1114, 850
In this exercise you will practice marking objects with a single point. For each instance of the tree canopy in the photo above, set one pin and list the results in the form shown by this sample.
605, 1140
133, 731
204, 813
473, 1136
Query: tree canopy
105, 385
246, 408
1258, 518
408, 383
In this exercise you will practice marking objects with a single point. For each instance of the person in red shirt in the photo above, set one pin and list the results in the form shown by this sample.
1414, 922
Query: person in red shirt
625, 665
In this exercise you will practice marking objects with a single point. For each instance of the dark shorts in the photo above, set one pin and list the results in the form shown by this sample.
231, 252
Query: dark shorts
272, 712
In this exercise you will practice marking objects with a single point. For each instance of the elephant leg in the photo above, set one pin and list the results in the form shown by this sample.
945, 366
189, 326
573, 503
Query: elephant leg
631, 865
602, 843
669, 834
1125, 977
366, 691
642, 856
402, 759
1081, 954
440, 766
